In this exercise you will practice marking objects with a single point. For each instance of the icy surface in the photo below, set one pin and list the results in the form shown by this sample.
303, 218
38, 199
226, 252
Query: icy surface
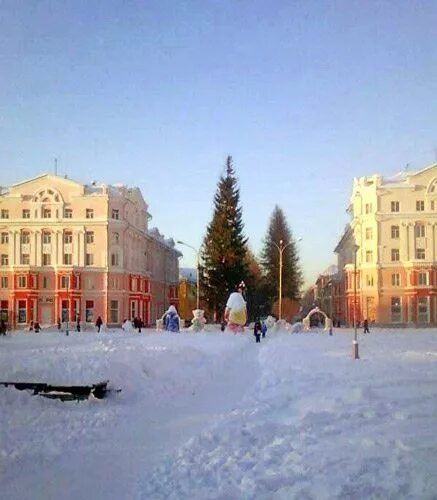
214, 415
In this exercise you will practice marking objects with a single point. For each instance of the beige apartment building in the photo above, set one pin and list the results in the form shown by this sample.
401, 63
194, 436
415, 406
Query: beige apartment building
391, 244
69, 250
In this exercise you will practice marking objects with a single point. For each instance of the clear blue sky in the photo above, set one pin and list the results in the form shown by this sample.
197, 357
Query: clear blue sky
304, 95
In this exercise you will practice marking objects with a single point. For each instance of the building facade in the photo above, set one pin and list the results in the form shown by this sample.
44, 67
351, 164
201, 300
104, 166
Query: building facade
69, 250
187, 292
387, 254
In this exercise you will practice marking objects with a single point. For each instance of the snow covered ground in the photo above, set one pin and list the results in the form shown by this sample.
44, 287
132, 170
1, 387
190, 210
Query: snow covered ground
217, 416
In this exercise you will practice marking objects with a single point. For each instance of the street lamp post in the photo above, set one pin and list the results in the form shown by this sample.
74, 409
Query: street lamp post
355, 342
197, 274
281, 247
68, 306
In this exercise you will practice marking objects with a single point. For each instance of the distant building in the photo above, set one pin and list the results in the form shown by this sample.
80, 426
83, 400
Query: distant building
69, 250
187, 292
392, 235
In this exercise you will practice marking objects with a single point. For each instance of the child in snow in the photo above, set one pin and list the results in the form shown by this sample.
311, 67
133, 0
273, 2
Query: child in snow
263, 329
257, 331
172, 320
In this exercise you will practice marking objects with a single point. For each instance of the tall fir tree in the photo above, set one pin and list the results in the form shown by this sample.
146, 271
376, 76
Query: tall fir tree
224, 248
291, 272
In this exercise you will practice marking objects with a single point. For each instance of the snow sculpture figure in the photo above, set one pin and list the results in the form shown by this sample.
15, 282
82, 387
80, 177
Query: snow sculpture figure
198, 321
236, 312
172, 320
270, 322
127, 326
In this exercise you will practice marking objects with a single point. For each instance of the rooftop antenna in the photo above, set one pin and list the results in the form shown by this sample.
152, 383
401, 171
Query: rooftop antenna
56, 166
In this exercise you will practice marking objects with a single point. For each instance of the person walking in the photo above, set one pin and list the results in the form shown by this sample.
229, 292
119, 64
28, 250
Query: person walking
37, 327
58, 324
366, 326
78, 324
257, 330
140, 324
3, 327
99, 323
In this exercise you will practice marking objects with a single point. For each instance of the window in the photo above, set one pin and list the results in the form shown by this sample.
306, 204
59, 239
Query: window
68, 238
46, 213
46, 259
395, 279
25, 238
4, 259
45, 282
89, 259
420, 253
46, 237
21, 282
114, 259
65, 282
422, 310
368, 208
4, 214
5, 238
115, 214
420, 230
420, 206
422, 278
114, 311
67, 259
369, 256
4, 282
25, 259
115, 238
90, 237
395, 206
89, 213
396, 309
68, 213
89, 311
369, 280
432, 205
369, 233
395, 232
64, 311
26, 213
89, 282
395, 254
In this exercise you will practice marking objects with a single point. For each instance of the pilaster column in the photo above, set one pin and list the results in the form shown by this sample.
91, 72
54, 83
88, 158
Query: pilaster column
404, 243
16, 248
59, 244
37, 248
411, 242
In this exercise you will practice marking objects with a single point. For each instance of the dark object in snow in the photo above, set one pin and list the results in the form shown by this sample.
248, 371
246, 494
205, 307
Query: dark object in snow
63, 392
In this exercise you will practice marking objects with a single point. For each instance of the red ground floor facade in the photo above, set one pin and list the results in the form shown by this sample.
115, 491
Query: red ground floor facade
80, 294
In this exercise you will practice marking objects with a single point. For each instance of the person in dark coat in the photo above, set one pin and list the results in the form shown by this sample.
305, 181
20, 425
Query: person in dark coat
3, 327
366, 326
99, 324
78, 324
257, 330
58, 324
140, 324
37, 327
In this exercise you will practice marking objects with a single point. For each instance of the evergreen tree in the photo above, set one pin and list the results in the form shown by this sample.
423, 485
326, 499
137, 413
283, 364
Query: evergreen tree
224, 263
291, 273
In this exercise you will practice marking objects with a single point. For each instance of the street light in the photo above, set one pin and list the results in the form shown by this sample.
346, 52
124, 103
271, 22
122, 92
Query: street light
198, 273
355, 342
281, 247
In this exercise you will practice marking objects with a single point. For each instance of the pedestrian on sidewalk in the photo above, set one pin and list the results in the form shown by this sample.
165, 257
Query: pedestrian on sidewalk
366, 326
257, 332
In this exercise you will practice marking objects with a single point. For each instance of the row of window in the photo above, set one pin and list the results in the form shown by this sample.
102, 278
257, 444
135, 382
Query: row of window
419, 232
67, 259
395, 255
47, 213
395, 206
422, 310
47, 237
422, 279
